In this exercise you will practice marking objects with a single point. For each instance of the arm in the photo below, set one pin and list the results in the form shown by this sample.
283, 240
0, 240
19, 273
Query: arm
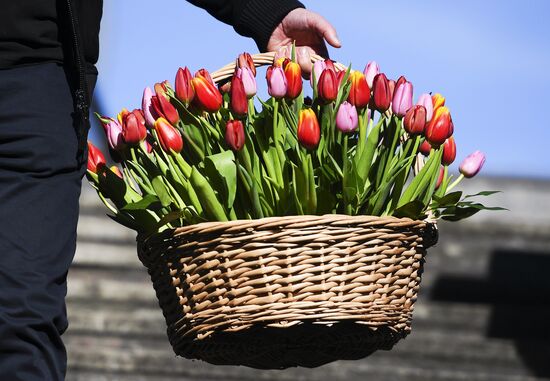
275, 24
250, 18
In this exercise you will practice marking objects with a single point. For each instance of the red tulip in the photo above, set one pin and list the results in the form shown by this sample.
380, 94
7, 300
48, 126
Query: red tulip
133, 126
161, 87
391, 84
203, 73
425, 148
415, 120
309, 132
207, 96
96, 159
439, 129
327, 86
359, 94
163, 108
234, 134
340, 77
184, 89
381, 93
449, 151
293, 75
239, 101
169, 138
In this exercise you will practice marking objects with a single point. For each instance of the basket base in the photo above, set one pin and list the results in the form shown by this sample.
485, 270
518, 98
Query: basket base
306, 345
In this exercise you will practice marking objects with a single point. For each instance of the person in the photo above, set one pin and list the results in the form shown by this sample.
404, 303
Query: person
41, 168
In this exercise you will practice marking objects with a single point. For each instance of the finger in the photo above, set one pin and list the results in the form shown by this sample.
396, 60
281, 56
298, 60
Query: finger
325, 29
303, 56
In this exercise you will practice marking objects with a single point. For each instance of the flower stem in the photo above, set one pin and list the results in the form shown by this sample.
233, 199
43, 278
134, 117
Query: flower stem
455, 183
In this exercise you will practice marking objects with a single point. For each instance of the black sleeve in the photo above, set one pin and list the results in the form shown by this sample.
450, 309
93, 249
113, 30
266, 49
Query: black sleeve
250, 18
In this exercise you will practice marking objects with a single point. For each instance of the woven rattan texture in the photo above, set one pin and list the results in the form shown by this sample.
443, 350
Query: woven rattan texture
224, 286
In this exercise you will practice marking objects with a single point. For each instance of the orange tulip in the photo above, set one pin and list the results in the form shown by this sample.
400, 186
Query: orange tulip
169, 138
309, 132
359, 94
293, 75
440, 127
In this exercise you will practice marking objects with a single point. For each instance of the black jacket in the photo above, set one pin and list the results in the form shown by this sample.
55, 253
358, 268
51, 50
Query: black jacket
37, 31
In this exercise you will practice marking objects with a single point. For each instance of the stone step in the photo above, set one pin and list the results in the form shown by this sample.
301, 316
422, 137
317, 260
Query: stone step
425, 351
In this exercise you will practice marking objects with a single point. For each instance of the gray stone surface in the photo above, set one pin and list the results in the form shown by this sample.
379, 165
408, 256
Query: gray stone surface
482, 314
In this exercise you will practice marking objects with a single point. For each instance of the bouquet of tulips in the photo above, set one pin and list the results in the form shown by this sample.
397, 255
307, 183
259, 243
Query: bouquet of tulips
201, 151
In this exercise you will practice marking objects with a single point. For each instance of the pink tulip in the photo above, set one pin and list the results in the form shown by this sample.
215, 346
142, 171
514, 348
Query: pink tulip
426, 101
371, 70
472, 164
346, 117
249, 81
276, 82
147, 107
318, 68
113, 131
402, 99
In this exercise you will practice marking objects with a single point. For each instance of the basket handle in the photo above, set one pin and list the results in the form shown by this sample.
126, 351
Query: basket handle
261, 59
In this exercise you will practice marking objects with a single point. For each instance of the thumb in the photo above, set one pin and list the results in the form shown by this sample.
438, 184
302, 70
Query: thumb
325, 29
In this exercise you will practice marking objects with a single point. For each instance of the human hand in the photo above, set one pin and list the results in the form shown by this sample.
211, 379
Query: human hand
308, 30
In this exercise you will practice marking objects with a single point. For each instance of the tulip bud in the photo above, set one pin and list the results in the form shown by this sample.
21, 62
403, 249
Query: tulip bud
328, 86
426, 101
160, 88
359, 94
309, 132
147, 107
472, 164
381, 93
293, 75
439, 129
318, 68
234, 134
438, 101
207, 96
425, 148
113, 131
371, 70
400, 81
146, 145
184, 89
163, 108
346, 117
169, 138
449, 151
116, 171
225, 87
96, 159
440, 177
238, 100
203, 73
329, 64
415, 120
340, 77
133, 127
402, 99
276, 82
391, 84
245, 61
249, 82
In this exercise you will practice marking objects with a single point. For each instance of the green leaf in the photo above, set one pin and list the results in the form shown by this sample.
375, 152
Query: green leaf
412, 210
448, 200
212, 206
160, 190
484, 193
147, 202
222, 172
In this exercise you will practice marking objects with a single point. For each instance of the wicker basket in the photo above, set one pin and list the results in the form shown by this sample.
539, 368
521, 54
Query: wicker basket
287, 291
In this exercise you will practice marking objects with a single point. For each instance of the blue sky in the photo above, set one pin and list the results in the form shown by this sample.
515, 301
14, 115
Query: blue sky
490, 59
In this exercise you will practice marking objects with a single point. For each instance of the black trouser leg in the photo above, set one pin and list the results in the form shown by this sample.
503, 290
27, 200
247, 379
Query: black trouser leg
40, 180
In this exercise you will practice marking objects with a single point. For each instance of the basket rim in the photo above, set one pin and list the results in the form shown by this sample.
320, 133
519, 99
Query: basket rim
267, 222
